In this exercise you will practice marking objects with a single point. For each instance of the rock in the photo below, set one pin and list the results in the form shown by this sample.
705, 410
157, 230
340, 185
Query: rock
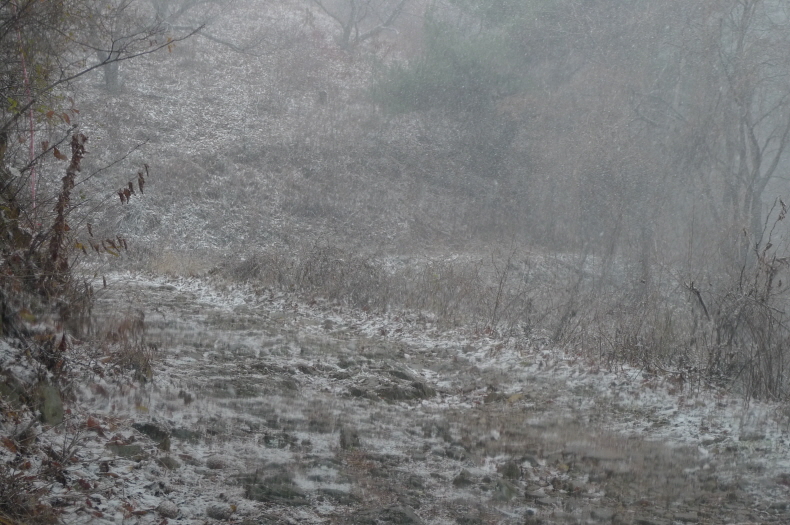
649, 521
422, 390
349, 438
169, 463
216, 462
505, 491
604, 515
464, 479
415, 482
416, 390
340, 496
319, 425
687, 517
510, 470
394, 514
401, 373
50, 404
154, 431
167, 509
278, 440
164, 445
126, 451
263, 519
185, 434
219, 511
456, 452
278, 489
494, 397
357, 392
158, 488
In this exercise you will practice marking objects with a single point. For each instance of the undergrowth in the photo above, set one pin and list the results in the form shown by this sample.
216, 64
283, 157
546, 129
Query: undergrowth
733, 333
45, 307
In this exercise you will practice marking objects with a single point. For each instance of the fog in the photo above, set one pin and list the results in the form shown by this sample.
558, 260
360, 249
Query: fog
643, 144
609, 173
403, 261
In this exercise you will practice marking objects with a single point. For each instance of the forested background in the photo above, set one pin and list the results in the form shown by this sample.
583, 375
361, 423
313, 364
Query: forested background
605, 174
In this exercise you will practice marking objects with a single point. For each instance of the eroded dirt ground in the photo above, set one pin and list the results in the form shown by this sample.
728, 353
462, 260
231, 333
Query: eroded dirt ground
265, 410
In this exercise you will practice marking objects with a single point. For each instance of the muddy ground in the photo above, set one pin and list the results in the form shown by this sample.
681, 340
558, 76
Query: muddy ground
261, 409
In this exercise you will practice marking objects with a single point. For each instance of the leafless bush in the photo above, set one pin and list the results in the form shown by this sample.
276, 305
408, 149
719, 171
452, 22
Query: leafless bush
487, 293
749, 332
20, 498
732, 330
125, 346
342, 275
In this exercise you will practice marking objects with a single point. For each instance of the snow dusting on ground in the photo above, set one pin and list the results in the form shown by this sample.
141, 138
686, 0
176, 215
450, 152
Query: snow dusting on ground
259, 408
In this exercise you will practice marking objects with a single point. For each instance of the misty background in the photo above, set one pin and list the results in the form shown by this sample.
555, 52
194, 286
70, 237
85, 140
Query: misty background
605, 174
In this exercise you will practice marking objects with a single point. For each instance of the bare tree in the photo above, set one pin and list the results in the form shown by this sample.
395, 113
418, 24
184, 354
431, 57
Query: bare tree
117, 30
361, 20
729, 108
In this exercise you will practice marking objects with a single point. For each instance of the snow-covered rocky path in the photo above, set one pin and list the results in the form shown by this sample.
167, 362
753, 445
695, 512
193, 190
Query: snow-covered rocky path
263, 409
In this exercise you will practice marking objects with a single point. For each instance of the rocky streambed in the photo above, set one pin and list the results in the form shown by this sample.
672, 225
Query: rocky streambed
262, 409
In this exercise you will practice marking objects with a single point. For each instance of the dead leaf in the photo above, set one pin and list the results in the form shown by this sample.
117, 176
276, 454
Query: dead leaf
94, 425
58, 154
9, 444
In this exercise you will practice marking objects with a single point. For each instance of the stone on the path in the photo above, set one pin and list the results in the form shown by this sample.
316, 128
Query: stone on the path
687, 517
155, 431
510, 470
394, 515
219, 511
169, 463
216, 462
167, 509
464, 479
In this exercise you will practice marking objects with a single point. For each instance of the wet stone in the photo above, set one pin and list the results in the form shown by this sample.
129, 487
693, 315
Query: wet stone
534, 495
153, 430
602, 515
510, 470
221, 511
469, 520
216, 462
494, 397
415, 482
186, 435
464, 479
401, 374
340, 496
320, 426
687, 517
169, 463
277, 489
456, 452
505, 491
167, 509
392, 515
125, 451
650, 521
